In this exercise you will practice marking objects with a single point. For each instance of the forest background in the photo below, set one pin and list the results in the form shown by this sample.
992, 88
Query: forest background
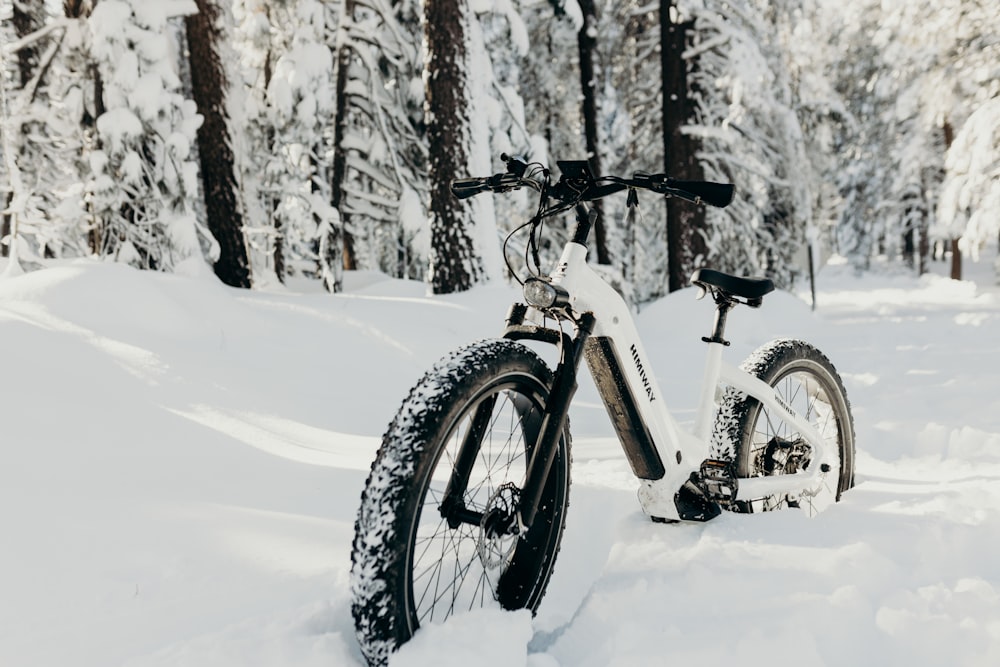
297, 139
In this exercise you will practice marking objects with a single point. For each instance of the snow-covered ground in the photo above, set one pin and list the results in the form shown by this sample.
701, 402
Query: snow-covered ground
182, 462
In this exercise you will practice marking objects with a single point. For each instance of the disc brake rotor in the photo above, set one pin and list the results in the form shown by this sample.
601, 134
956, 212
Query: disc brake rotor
497, 541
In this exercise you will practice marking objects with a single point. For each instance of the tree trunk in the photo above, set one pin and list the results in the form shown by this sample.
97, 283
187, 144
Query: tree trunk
331, 262
587, 45
956, 260
455, 266
218, 169
278, 251
956, 252
923, 246
98, 225
28, 16
684, 220
340, 235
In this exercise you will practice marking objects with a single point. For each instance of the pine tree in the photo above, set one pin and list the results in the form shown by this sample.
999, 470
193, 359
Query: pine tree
917, 71
963, 89
455, 262
27, 18
143, 176
750, 135
632, 136
301, 108
540, 82
970, 199
285, 149
78, 99
380, 152
209, 82
504, 62
589, 80
44, 108
685, 223
260, 36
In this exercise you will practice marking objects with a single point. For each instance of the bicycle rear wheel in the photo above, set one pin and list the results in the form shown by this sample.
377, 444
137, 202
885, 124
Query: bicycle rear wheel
761, 442
422, 555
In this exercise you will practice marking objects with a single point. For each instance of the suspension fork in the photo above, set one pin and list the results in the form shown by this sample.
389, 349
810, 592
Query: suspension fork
543, 439
453, 507
564, 386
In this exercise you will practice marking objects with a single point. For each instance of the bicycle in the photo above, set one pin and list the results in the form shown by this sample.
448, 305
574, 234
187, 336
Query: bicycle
466, 501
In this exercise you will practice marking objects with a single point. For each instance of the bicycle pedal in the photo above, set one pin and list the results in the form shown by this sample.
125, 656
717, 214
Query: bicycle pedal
693, 504
718, 481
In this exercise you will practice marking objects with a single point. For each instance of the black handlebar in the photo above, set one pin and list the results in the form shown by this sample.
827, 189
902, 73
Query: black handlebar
577, 185
719, 195
463, 188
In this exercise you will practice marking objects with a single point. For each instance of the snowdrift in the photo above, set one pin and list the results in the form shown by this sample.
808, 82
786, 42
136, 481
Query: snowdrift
182, 463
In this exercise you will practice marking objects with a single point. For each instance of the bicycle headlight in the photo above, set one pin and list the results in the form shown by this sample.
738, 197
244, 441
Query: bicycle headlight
543, 295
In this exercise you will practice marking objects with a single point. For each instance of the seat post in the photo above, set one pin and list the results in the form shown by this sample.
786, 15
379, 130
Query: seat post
713, 364
723, 304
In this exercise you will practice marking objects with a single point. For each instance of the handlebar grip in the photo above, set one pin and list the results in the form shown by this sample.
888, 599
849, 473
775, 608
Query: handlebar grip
463, 188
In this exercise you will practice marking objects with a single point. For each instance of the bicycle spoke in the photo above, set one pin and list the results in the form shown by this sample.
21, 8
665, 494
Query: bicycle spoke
459, 569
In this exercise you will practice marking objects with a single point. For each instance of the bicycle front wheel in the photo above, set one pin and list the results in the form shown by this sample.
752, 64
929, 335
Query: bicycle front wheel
422, 554
761, 442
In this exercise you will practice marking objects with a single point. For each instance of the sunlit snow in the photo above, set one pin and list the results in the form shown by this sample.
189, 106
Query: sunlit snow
183, 463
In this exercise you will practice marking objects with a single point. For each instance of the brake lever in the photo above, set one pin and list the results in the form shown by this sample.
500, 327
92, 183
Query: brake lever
516, 165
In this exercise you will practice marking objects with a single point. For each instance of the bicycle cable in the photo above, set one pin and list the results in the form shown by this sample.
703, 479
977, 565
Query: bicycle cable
531, 254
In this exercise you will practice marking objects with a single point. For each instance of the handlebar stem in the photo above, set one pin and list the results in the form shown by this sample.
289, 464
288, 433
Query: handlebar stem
585, 219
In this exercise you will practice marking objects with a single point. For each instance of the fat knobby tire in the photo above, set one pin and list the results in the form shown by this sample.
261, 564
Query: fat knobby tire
390, 517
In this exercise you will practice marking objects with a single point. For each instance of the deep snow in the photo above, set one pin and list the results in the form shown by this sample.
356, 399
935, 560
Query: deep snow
182, 463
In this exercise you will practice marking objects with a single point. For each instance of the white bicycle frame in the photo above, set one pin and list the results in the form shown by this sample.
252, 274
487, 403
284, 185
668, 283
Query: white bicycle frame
681, 452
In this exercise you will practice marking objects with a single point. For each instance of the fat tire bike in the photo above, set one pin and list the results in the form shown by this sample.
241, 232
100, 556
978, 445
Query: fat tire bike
466, 501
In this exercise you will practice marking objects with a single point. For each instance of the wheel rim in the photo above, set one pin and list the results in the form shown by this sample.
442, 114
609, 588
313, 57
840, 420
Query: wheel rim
452, 570
776, 448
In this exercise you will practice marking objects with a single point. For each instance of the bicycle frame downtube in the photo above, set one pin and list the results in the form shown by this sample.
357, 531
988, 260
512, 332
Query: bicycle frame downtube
662, 455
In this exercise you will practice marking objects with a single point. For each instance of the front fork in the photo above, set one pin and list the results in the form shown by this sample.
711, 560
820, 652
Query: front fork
544, 438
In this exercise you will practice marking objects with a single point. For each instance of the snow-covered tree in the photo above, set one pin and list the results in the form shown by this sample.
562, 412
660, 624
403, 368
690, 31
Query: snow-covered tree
590, 88
20, 22
45, 95
549, 89
258, 40
682, 105
632, 116
970, 201
915, 73
550, 82
456, 263
380, 155
503, 101
207, 44
961, 92
821, 113
288, 78
143, 176
750, 135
